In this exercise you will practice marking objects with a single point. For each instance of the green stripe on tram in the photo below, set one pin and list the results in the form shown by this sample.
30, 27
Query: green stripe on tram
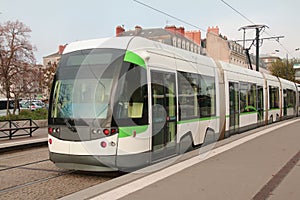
128, 131
134, 58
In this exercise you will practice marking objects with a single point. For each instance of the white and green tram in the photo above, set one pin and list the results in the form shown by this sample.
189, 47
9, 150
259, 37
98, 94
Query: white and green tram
122, 103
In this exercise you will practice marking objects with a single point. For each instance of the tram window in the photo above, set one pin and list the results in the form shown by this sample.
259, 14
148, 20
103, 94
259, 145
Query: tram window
291, 98
247, 97
273, 97
131, 107
207, 96
243, 97
196, 95
188, 87
252, 98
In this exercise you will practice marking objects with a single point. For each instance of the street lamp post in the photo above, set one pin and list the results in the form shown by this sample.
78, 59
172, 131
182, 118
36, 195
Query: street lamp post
287, 66
297, 49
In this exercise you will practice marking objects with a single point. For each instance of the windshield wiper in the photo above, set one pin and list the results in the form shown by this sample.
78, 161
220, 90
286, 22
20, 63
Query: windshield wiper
66, 119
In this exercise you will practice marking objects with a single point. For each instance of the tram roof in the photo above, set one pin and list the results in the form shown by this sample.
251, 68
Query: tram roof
112, 42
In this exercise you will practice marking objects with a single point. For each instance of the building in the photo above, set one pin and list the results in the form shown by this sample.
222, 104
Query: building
297, 71
55, 57
214, 45
269, 59
171, 35
48, 70
220, 48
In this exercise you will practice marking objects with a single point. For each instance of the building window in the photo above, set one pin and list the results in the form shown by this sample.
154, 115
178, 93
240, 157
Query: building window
188, 46
174, 41
179, 43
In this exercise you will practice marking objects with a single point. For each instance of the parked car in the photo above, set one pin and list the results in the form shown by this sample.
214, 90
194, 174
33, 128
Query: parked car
31, 105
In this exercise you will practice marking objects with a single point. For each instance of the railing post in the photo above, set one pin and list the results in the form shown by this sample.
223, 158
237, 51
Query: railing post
10, 132
30, 127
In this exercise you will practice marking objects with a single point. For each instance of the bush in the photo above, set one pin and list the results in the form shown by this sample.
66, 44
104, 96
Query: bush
41, 113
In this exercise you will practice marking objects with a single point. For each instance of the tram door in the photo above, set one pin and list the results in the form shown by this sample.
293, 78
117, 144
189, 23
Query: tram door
234, 116
260, 105
164, 114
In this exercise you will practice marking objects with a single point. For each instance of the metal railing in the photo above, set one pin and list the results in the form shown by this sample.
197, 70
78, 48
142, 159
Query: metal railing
18, 127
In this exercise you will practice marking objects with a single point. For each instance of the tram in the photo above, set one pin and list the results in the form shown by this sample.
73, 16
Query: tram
126, 102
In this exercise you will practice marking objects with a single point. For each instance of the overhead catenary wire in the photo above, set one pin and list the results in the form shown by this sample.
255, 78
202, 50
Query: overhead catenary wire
197, 27
241, 14
171, 16
244, 16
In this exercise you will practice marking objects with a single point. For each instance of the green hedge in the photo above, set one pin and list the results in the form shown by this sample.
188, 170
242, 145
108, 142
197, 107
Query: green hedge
27, 114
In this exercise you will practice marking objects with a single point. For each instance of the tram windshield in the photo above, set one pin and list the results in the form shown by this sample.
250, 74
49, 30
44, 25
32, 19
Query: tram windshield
83, 84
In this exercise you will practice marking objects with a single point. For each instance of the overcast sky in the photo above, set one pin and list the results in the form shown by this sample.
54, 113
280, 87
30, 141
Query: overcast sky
58, 22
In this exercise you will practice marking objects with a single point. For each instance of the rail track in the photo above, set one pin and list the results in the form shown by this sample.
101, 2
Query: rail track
29, 174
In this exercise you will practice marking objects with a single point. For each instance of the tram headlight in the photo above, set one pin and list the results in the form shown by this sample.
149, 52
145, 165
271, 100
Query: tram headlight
104, 132
94, 131
53, 130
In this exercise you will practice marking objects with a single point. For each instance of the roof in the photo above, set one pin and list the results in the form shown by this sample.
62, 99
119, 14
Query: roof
113, 42
158, 34
263, 56
52, 55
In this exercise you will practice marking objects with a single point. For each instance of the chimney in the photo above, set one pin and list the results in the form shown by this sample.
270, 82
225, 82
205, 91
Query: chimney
214, 30
195, 36
180, 30
171, 28
174, 29
137, 29
119, 30
61, 49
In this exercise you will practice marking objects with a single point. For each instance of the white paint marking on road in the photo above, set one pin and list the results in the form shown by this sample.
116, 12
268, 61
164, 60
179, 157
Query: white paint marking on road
157, 176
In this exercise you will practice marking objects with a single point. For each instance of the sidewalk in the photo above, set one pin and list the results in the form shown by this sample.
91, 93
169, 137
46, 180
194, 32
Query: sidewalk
252, 167
39, 137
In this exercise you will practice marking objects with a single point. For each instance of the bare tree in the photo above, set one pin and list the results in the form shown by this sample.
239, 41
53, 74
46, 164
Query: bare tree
15, 51
48, 76
26, 82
